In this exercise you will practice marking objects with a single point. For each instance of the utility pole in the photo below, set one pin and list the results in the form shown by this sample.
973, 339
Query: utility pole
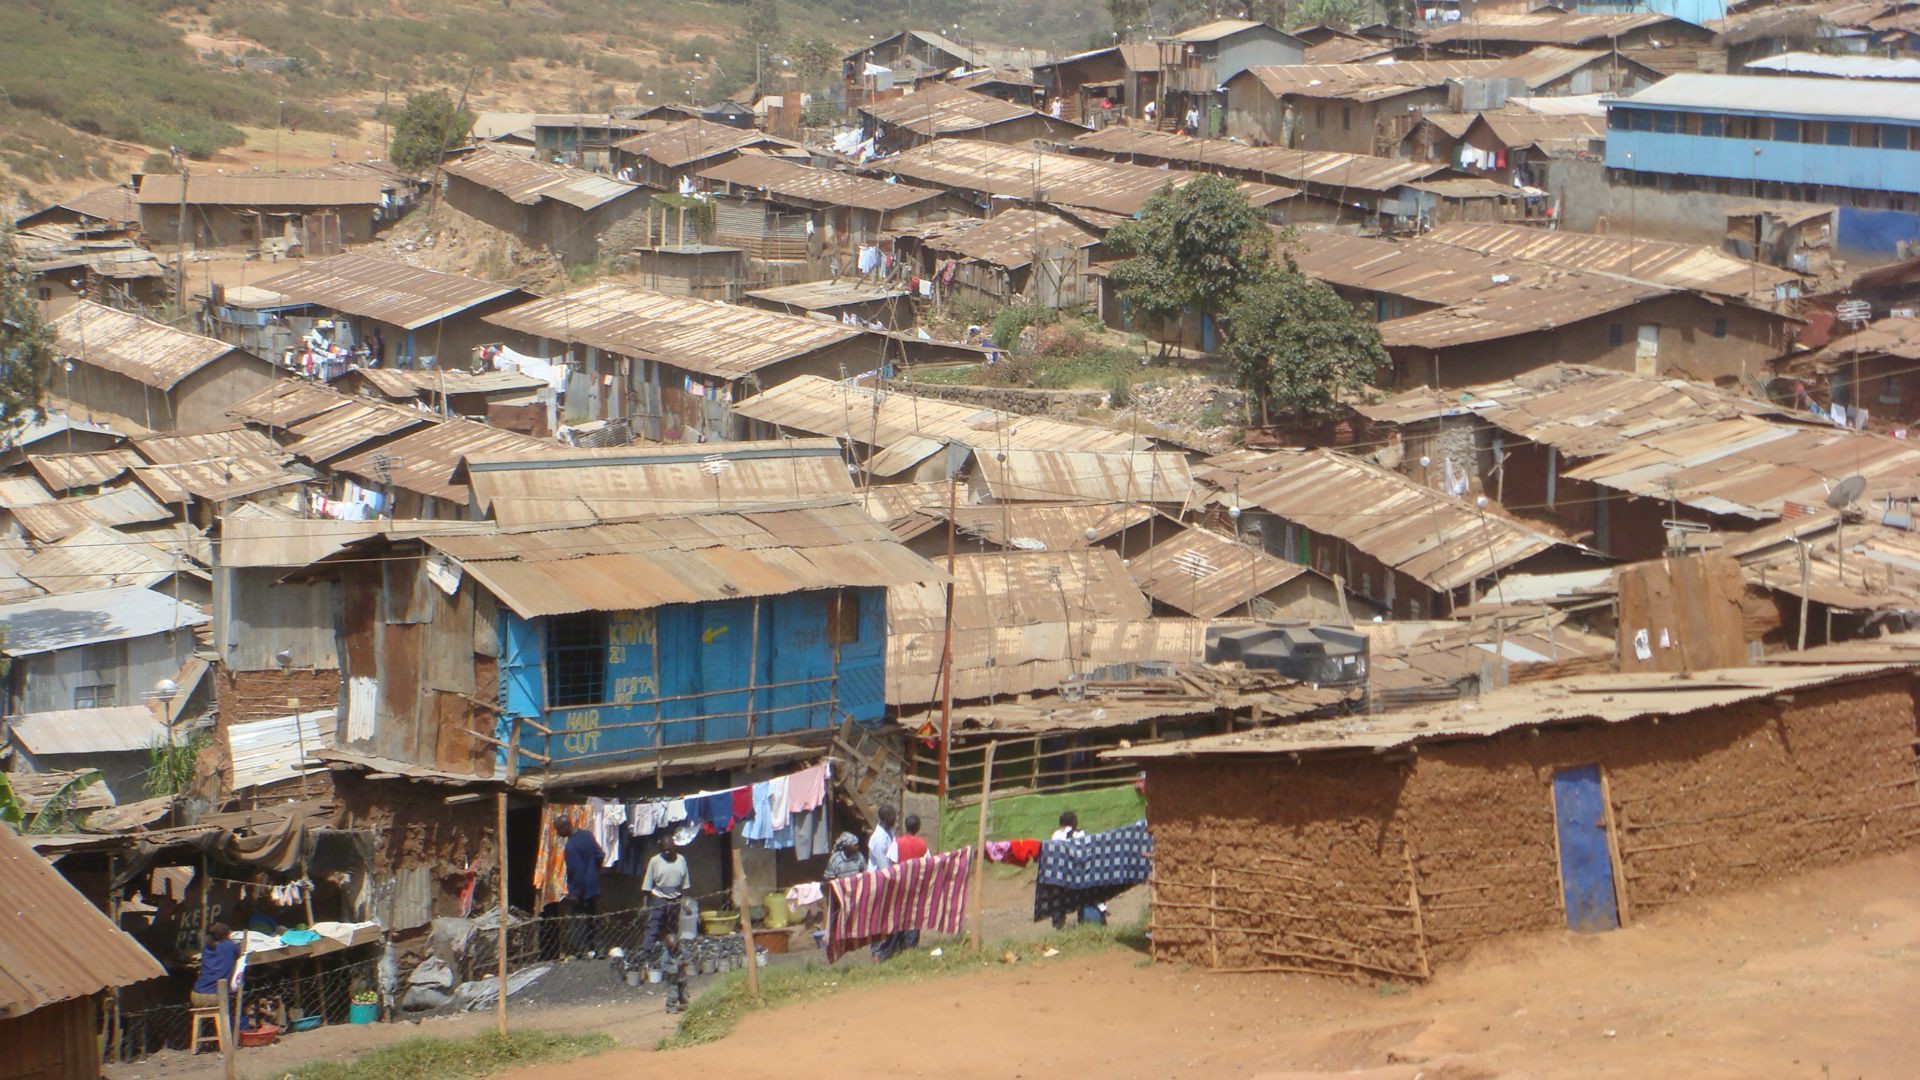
180, 234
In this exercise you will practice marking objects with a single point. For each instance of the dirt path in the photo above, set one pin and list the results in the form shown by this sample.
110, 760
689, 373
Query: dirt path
1814, 978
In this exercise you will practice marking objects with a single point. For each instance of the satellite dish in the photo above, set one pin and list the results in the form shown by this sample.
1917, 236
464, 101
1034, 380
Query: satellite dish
1846, 492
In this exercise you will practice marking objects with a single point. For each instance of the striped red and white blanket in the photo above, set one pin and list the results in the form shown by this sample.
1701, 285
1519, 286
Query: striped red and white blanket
928, 893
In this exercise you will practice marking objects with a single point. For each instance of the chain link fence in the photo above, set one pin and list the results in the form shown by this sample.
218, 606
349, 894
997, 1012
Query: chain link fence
326, 993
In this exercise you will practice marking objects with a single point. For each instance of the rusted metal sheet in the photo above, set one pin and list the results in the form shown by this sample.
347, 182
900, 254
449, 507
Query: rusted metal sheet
57, 946
244, 189
1328, 168
941, 109
1011, 172
96, 557
129, 505
1038, 527
140, 349
399, 384
1681, 266
882, 418
1010, 239
696, 140
584, 486
386, 290
1415, 270
830, 293
65, 472
287, 403
340, 431
423, 461
1435, 539
528, 181
1160, 476
704, 336
1206, 575
189, 448
1547, 302
218, 480
1543, 27
22, 491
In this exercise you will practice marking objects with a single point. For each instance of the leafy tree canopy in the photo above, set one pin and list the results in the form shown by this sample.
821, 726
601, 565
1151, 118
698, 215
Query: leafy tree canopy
428, 125
1191, 247
26, 341
1298, 347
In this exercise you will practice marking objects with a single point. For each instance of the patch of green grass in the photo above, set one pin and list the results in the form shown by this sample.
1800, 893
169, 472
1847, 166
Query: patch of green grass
451, 1059
715, 1013
956, 375
1034, 817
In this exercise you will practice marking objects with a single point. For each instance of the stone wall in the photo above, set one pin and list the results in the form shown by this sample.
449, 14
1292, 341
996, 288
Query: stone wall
1060, 404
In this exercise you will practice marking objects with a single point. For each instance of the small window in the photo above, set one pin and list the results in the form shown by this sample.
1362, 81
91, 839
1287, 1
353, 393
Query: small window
1739, 127
46, 293
1866, 135
576, 660
1319, 114
1616, 334
1346, 118
1783, 130
1712, 126
1666, 123
1719, 328
1839, 134
93, 697
1897, 138
843, 618
1641, 120
1617, 118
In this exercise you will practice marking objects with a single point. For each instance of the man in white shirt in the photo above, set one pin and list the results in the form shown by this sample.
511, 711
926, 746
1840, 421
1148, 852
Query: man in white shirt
666, 878
882, 854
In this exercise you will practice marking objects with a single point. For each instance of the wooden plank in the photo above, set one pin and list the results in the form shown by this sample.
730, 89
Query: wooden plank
1419, 918
1559, 875
1620, 904
1213, 918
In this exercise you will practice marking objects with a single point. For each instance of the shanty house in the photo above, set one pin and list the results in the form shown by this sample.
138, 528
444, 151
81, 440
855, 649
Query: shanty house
911, 55
939, 110
786, 211
97, 214
630, 645
666, 158
318, 215
558, 207
139, 375
59, 956
1197, 62
1658, 41
90, 650
1577, 804
1020, 253
1208, 575
424, 318
1127, 75
674, 365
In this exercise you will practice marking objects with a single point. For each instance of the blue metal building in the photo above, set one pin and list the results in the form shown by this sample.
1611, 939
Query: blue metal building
1852, 145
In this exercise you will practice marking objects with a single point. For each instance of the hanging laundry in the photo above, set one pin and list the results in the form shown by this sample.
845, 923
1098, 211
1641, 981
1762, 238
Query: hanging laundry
757, 826
996, 850
742, 803
1088, 870
779, 795
806, 789
921, 894
1022, 852
550, 861
713, 812
810, 833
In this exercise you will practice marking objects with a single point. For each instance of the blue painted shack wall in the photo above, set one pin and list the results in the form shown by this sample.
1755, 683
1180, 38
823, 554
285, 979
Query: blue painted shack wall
1861, 167
1699, 12
1878, 234
706, 649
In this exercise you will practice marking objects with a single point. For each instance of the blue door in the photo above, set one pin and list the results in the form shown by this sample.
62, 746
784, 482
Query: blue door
1586, 863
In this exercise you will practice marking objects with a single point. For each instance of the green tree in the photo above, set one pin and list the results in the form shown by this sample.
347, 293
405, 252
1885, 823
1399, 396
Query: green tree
1298, 347
814, 60
1129, 18
1192, 248
26, 341
1345, 13
426, 128
763, 24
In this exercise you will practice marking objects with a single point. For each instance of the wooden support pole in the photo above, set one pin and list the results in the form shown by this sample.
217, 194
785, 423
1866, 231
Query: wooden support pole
1419, 917
746, 916
1213, 919
1620, 904
975, 917
500, 939
223, 1027
1806, 586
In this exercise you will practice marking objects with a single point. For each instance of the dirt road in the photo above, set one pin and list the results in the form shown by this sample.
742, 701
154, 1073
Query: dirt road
1813, 978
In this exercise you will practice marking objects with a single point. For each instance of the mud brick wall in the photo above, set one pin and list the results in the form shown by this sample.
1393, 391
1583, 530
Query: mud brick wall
1261, 862
257, 695
417, 835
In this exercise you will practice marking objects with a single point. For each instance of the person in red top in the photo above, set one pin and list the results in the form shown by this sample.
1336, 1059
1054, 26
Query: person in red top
910, 845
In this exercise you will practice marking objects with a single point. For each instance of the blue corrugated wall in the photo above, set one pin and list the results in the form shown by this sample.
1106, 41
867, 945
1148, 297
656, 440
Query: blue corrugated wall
706, 649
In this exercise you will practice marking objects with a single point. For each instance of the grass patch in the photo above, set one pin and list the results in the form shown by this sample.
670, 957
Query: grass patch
955, 375
482, 1055
1034, 817
715, 1013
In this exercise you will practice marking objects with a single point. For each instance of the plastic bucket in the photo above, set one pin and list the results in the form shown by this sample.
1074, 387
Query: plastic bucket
363, 1014
653, 975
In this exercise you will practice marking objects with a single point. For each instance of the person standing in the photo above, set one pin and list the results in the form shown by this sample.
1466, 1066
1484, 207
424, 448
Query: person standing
910, 846
1092, 913
882, 854
582, 854
664, 883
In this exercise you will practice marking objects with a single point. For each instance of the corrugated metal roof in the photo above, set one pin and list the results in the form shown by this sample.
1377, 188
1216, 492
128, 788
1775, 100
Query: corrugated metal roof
1545, 28
251, 189
1898, 337
696, 140
527, 181
342, 430
1845, 67
1877, 569
829, 293
23, 491
779, 177
1124, 476
62, 622
1327, 168
1580, 411
995, 76
387, 290
1207, 575
1681, 266
1519, 128
1782, 95
56, 945
219, 479
1413, 269
96, 557
36, 789
1547, 302
687, 558
65, 472
143, 350
113, 730
247, 541
1037, 527
1435, 539
1010, 239
1215, 30
14, 553
113, 204
287, 403
1015, 172
1610, 698
705, 336
129, 505
1342, 80
882, 419
937, 109
1751, 468
566, 487
279, 748
423, 461
401, 384
1345, 50
188, 447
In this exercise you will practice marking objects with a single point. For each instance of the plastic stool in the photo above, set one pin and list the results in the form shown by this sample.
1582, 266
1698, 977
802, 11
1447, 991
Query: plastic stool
218, 1038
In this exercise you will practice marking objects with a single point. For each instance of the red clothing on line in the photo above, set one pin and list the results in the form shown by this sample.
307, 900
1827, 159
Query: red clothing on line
910, 847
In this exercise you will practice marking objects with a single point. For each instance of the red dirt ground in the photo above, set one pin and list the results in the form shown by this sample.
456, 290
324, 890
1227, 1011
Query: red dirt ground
1811, 978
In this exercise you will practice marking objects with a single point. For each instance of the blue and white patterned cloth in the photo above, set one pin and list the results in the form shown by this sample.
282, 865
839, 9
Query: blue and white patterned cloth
1091, 869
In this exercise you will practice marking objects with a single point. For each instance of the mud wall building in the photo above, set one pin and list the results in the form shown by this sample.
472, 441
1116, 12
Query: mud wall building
1383, 852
